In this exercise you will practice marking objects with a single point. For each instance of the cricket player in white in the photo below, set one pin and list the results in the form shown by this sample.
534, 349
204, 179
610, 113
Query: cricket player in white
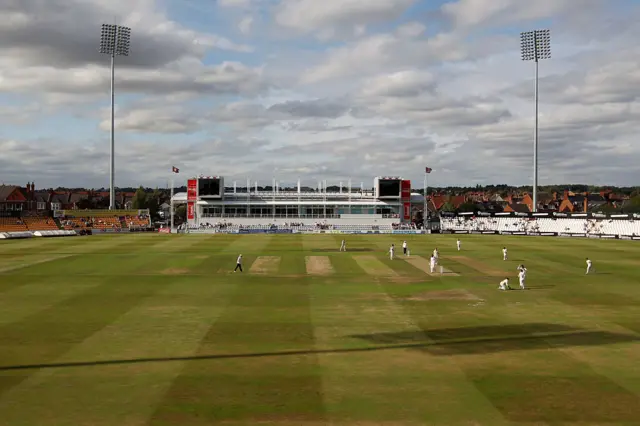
392, 251
589, 266
504, 253
504, 285
404, 248
458, 243
432, 264
522, 275
238, 264
343, 246
435, 255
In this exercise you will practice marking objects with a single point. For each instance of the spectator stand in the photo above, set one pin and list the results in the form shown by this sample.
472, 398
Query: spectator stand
105, 221
589, 225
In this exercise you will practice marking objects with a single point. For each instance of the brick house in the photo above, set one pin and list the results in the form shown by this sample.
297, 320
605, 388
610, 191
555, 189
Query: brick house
12, 198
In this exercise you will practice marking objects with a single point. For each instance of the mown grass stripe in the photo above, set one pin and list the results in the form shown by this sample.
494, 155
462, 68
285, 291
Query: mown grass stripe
45, 336
158, 327
360, 385
374, 266
28, 299
252, 390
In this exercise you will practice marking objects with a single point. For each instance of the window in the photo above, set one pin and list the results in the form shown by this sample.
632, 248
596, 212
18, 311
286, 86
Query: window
41, 205
55, 206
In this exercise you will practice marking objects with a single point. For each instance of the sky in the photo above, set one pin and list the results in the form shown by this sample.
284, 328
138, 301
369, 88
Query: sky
319, 90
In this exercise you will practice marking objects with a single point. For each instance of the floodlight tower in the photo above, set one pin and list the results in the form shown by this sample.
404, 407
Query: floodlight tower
535, 45
114, 41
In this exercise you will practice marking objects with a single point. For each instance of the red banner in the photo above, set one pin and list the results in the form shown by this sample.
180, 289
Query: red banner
164, 230
406, 190
407, 211
192, 190
405, 196
191, 210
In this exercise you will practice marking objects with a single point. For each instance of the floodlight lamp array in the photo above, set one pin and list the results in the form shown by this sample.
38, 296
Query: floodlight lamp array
535, 45
115, 40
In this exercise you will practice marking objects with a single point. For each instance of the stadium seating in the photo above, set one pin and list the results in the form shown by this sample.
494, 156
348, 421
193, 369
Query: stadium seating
231, 227
12, 224
556, 225
36, 223
136, 221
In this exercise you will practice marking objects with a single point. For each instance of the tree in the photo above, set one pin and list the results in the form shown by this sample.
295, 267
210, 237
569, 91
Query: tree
467, 207
180, 214
139, 201
153, 202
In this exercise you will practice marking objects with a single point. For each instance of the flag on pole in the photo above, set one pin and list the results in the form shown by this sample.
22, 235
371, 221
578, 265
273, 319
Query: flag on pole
428, 170
174, 169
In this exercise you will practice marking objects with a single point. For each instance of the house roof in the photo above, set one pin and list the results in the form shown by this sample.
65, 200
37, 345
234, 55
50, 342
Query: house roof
6, 191
41, 196
544, 197
519, 208
457, 200
78, 196
60, 197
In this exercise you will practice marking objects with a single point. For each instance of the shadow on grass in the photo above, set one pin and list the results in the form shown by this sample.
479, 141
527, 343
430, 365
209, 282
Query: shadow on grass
499, 338
448, 341
337, 250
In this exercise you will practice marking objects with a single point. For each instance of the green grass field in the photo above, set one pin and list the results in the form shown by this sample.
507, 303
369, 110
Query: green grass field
148, 329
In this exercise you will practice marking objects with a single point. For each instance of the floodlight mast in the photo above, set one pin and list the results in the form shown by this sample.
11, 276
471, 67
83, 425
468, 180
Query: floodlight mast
114, 41
535, 45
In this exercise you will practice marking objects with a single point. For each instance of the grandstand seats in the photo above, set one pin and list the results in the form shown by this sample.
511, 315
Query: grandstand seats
556, 225
107, 222
36, 223
136, 221
12, 224
231, 227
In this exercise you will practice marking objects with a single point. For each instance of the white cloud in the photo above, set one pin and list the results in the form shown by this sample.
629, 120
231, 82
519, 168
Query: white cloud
310, 16
324, 89
235, 3
246, 24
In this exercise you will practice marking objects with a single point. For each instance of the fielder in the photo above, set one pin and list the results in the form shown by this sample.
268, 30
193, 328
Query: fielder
458, 244
392, 251
504, 285
343, 246
589, 266
522, 275
504, 253
432, 264
238, 264
436, 255
404, 248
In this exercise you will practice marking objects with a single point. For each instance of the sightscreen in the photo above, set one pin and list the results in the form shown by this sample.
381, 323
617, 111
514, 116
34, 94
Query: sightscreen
209, 187
389, 188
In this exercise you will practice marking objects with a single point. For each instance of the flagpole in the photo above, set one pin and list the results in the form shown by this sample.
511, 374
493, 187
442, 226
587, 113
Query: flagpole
172, 214
426, 201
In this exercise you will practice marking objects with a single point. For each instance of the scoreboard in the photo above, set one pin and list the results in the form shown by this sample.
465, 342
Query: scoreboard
211, 187
203, 187
388, 188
